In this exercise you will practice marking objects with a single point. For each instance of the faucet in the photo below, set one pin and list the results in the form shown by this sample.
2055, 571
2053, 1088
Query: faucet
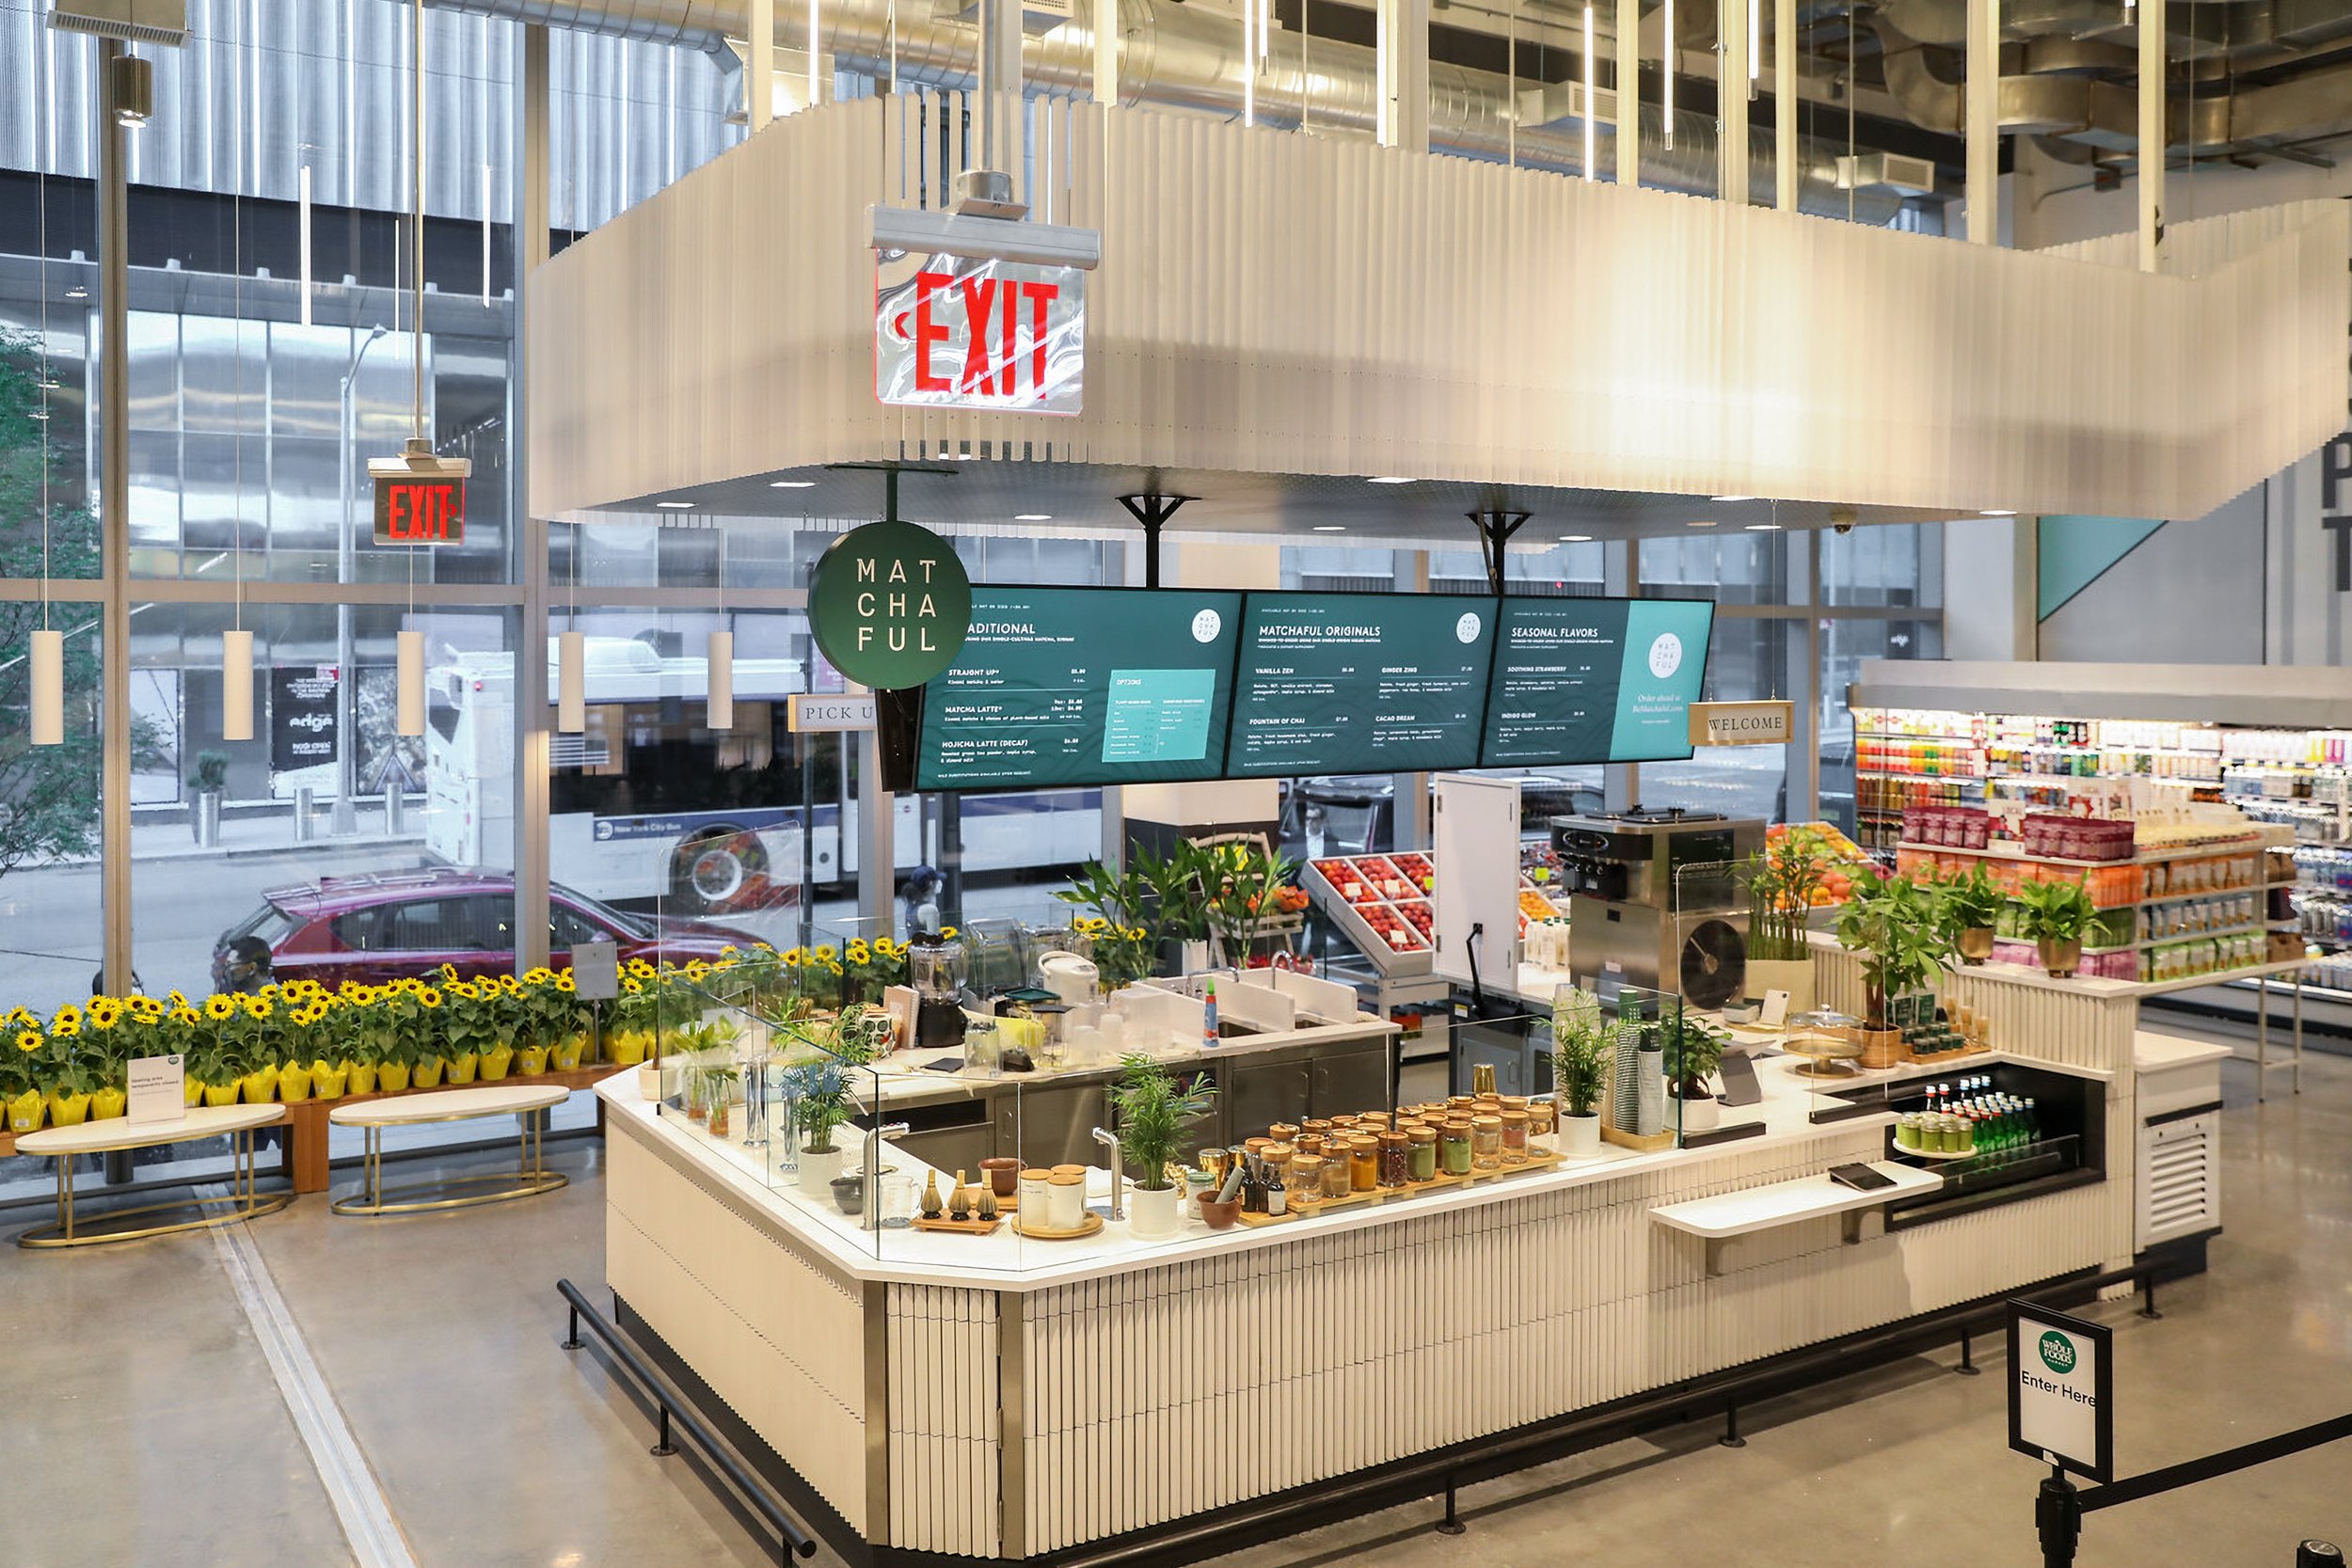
1110, 1141
873, 1167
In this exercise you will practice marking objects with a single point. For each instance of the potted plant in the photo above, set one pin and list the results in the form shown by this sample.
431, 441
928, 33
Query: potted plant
1579, 1068
1784, 878
1968, 906
20, 1095
2056, 915
1890, 923
1152, 1110
1247, 892
206, 779
1692, 1052
818, 1087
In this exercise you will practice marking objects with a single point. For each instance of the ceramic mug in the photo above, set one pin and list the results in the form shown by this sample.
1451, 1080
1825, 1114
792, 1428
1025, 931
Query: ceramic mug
1065, 1201
1002, 1174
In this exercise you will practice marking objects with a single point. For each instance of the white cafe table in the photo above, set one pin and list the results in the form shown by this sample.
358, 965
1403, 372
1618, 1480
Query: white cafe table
238, 1123
530, 1102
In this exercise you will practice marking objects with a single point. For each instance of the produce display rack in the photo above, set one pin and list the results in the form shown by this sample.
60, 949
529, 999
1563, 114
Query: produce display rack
1382, 903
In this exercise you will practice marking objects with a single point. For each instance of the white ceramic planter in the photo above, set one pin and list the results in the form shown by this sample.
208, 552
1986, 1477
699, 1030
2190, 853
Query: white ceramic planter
1580, 1136
1702, 1116
818, 1170
1152, 1215
649, 1080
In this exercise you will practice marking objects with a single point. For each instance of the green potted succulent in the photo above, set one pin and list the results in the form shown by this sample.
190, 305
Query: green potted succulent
2056, 914
1151, 1111
1890, 924
1579, 1070
1693, 1053
1968, 908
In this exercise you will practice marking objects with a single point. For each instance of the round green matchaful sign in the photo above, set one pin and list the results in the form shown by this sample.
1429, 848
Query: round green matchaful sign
889, 604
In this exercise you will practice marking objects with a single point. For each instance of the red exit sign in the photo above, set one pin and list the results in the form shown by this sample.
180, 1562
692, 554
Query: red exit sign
412, 509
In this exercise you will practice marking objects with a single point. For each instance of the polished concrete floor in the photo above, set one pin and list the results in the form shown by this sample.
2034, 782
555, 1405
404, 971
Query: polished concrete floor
144, 1422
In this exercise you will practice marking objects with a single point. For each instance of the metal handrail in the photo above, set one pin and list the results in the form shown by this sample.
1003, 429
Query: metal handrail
674, 1405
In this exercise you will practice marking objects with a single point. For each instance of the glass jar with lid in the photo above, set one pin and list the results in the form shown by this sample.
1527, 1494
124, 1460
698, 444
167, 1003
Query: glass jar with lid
1454, 1146
1514, 1125
1303, 1180
1363, 1162
1395, 1159
1422, 1151
1337, 1180
1541, 1129
1486, 1142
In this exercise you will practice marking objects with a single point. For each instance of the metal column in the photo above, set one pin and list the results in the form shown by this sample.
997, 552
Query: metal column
1785, 153
114, 514
1620, 577
531, 717
1401, 73
2152, 134
1983, 121
1630, 90
1731, 97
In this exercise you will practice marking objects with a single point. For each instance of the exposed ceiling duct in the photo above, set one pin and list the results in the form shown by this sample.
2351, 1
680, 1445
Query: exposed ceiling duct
1190, 58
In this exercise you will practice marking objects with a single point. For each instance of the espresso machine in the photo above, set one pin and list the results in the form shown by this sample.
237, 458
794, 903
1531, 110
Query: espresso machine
935, 970
1633, 920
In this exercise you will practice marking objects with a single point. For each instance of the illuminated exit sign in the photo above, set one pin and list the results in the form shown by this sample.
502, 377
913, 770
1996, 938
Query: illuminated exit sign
419, 498
414, 510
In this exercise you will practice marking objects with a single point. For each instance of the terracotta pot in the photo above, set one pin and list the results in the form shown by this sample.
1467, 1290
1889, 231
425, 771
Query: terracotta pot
2061, 958
1976, 944
1882, 1048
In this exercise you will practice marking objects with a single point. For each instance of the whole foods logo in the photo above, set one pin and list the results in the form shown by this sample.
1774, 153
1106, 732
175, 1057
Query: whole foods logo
2058, 1351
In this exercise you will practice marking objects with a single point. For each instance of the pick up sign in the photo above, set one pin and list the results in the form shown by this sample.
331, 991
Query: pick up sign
970, 332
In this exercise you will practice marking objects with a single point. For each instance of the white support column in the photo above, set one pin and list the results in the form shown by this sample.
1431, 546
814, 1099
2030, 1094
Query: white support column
1983, 121
532, 718
2153, 136
1731, 99
1784, 104
1401, 73
1107, 50
759, 64
113, 519
1630, 92
1000, 86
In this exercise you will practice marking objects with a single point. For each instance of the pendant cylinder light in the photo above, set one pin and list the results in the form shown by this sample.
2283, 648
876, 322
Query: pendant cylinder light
719, 703
236, 684
48, 672
571, 682
411, 721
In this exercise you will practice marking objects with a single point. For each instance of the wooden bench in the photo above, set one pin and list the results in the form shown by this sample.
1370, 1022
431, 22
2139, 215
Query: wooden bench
530, 1099
238, 1123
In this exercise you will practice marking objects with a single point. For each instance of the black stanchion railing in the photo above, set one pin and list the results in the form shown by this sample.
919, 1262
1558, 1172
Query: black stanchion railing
2058, 1509
673, 1406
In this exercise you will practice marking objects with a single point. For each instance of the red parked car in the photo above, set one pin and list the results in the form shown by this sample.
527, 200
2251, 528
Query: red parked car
383, 927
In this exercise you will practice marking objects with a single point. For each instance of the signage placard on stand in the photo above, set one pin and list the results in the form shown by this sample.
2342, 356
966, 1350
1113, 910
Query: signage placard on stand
2062, 1390
158, 1088
596, 971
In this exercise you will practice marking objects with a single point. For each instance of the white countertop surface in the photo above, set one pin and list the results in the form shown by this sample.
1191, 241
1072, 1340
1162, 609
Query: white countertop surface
488, 1100
1010, 1262
1779, 1203
2154, 1052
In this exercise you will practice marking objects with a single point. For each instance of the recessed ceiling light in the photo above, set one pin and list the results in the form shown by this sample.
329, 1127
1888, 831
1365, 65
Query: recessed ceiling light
1330, 527
1763, 527
791, 484
1997, 513
674, 506
1033, 516
1576, 539
1731, 497
1389, 479
1702, 522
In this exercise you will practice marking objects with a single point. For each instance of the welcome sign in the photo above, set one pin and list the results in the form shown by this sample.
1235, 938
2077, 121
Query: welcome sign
889, 605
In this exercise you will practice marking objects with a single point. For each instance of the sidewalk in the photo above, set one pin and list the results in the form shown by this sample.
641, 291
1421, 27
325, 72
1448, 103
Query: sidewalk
162, 834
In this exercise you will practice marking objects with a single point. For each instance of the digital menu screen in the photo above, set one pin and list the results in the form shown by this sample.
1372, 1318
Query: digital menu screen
1359, 683
1595, 680
1058, 686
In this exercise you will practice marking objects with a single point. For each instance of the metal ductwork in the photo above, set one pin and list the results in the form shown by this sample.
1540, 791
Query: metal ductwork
1188, 57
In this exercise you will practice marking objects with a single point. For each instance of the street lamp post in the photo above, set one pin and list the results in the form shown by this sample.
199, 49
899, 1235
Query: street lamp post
346, 819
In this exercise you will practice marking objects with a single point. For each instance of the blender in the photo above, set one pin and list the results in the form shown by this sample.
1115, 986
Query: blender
935, 969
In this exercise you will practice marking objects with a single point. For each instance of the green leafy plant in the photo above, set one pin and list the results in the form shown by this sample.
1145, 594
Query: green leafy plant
1579, 1064
1971, 901
1153, 1110
1179, 905
1782, 879
1890, 922
2056, 912
1243, 887
1692, 1050
210, 773
819, 1077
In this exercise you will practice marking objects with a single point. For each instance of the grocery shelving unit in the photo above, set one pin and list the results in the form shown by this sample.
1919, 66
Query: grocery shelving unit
2273, 741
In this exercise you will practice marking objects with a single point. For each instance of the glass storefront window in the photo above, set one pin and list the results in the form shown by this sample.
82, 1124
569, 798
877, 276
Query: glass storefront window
1845, 643
1896, 565
1748, 658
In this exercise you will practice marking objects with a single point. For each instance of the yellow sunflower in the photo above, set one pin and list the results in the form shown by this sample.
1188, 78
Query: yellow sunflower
430, 997
268, 992
828, 952
727, 949
259, 1005
176, 999
564, 981
948, 934
633, 985
539, 976
184, 1016
640, 968
67, 1014
697, 970
793, 959
219, 1005
64, 1028
29, 1040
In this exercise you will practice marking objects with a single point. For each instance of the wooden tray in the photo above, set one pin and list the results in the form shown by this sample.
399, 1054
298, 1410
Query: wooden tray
1542, 1161
960, 1227
1093, 1225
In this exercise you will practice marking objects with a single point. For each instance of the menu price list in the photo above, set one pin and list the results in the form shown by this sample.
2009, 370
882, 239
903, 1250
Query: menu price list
1334, 683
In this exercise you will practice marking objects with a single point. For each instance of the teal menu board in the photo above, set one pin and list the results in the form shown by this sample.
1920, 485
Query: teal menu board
1359, 683
1595, 680
1058, 686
